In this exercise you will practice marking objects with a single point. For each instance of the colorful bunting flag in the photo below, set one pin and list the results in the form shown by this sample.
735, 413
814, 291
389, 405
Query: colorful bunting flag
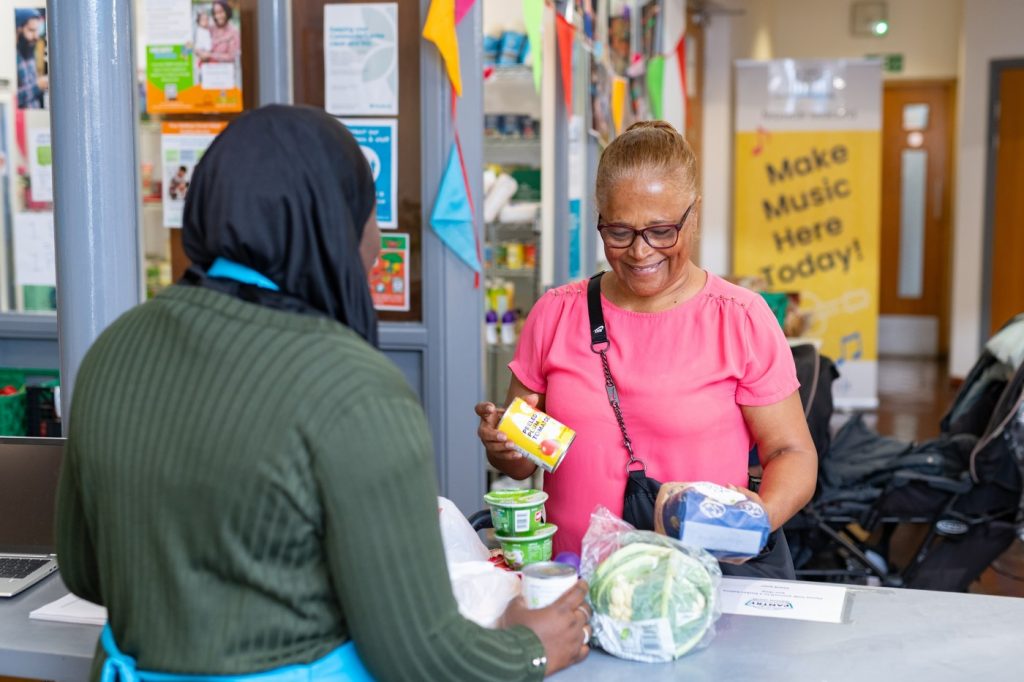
440, 30
619, 86
533, 18
656, 85
461, 8
452, 217
566, 38
681, 56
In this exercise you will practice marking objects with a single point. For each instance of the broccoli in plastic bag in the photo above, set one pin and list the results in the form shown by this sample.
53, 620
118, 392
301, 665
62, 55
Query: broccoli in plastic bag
653, 598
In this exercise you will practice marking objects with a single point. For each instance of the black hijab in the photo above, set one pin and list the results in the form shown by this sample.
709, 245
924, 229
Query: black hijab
287, 192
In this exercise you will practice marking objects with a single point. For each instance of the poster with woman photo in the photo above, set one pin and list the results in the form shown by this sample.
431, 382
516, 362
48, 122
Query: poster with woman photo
30, 45
193, 56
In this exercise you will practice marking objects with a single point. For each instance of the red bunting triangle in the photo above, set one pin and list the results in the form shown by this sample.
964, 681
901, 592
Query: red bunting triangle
566, 38
681, 56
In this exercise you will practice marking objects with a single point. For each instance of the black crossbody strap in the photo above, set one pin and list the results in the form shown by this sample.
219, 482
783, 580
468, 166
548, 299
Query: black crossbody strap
599, 344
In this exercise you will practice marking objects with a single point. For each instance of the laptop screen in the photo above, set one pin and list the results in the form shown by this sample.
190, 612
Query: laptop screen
29, 469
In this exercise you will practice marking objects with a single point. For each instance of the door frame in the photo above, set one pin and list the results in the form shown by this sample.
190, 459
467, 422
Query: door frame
951, 85
996, 68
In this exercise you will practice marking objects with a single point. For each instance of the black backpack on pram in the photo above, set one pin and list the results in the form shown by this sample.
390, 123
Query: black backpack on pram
965, 485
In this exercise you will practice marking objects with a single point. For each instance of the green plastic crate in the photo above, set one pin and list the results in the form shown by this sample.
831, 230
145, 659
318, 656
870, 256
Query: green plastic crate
12, 407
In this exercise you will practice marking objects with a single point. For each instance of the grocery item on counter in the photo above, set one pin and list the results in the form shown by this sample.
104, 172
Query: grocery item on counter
522, 550
545, 582
724, 522
654, 599
516, 512
536, 435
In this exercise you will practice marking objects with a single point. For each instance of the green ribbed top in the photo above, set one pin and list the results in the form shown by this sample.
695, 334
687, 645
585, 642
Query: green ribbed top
247, 488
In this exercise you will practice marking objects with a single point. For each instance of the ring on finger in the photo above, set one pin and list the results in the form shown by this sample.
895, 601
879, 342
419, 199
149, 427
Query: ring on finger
586, 614
587, 633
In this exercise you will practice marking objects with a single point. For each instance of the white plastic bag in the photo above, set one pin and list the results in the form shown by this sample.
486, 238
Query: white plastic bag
481, 589
461, 543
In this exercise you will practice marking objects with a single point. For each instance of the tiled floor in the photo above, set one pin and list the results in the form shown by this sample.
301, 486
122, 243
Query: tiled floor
913, 397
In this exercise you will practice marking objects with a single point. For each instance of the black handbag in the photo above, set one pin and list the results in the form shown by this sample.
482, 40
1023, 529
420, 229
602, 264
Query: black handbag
641, 490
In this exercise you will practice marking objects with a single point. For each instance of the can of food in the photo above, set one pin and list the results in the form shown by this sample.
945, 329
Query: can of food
492, 125
514, 255
545, 582
508, 125
535, 435
529, 255
500, 255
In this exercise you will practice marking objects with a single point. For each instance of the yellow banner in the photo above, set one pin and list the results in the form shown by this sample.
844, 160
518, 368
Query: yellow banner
807, 221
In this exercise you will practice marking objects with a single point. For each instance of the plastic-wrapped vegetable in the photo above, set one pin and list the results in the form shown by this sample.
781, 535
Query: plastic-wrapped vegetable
653, 598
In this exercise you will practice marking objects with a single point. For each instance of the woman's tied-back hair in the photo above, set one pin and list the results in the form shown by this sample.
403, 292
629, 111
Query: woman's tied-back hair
647, 147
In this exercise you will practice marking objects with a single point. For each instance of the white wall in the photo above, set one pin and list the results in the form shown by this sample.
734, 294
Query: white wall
992, 29
925, 32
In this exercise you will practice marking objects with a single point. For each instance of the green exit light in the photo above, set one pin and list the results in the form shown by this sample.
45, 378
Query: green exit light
881, 28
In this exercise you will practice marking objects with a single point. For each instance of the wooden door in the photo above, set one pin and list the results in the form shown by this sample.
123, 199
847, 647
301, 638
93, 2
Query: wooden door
917, 144
1007, 283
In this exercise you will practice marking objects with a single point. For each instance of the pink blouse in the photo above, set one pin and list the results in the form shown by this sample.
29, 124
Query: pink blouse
681, 374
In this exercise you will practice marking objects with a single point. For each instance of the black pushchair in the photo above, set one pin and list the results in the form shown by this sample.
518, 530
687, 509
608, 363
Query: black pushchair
964, 485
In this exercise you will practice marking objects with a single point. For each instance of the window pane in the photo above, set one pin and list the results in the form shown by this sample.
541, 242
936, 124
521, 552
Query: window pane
913, 178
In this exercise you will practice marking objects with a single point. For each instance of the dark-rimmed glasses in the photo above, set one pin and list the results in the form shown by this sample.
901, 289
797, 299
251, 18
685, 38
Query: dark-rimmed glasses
619, 236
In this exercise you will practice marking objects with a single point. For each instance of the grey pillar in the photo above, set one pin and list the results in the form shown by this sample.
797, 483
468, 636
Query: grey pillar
274, 46
452, 308
95, 172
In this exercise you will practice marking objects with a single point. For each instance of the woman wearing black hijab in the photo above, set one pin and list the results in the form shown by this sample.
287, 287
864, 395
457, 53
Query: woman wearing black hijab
248, 483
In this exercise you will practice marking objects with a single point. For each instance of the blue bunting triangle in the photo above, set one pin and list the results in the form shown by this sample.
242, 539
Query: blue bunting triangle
452, 218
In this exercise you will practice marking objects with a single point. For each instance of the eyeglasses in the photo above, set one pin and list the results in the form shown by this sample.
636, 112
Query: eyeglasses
618, 236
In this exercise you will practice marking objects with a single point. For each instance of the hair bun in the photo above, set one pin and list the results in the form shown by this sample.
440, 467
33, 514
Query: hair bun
655, 124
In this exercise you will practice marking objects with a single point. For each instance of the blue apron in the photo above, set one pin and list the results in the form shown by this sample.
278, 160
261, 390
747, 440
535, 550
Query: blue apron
341, 665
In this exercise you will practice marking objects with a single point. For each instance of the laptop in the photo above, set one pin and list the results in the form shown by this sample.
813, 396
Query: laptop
29, 469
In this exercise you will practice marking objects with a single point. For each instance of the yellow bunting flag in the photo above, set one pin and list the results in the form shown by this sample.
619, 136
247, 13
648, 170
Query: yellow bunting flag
440, 30
618, 102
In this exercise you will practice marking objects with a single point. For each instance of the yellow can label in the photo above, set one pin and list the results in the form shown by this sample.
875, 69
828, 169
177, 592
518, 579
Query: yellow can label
535, 435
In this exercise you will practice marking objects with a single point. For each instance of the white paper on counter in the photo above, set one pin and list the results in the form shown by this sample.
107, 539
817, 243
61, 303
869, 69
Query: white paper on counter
71, 609
784, 599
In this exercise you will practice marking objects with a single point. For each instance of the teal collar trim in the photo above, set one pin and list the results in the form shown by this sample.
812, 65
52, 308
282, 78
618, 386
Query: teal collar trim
227, 269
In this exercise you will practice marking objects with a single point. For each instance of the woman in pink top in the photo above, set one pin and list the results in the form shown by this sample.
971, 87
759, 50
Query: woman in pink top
226, 43
702, 368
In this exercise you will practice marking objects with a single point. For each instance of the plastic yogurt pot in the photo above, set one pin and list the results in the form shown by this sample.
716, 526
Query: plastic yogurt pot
524, 550
516, 512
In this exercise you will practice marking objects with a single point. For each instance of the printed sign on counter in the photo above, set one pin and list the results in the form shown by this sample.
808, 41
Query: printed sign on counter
784, 599
361, 59
389, 279
378, 138
193, 56
182, 145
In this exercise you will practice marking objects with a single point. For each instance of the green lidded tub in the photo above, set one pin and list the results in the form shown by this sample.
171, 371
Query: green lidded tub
516, 512
522, 550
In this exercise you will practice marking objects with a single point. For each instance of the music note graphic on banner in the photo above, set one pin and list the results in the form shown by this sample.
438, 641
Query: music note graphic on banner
762, 138
851, 347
